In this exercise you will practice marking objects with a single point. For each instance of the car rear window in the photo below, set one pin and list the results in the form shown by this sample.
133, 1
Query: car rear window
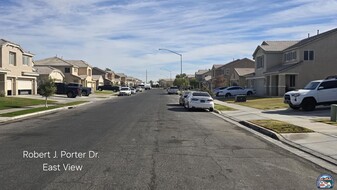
200, 94
173, 87
125, 89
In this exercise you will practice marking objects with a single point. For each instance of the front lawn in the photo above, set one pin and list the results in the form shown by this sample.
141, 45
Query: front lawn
104, 92
38, 109
280, 126
15, 102
263, 103
223, 108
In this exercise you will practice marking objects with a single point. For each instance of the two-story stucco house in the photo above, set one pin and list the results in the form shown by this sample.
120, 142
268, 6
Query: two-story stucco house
222, 73
85, 72
285, 65
69, 71
17, 75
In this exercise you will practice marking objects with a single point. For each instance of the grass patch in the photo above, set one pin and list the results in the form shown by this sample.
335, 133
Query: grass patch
263, 103
33, 110
15, 102
223, 108
104, 92
326, 121
280, 126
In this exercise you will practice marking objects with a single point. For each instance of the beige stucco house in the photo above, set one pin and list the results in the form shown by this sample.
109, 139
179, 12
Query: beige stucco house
46, 72
84, 72
222, 73
286, 65
17, 75
108, 76
98, 80
69, 71
238, 77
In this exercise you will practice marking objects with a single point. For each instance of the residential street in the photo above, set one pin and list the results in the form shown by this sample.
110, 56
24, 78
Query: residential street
146, 141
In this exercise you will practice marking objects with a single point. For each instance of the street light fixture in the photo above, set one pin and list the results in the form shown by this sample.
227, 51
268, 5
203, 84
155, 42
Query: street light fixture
181, 59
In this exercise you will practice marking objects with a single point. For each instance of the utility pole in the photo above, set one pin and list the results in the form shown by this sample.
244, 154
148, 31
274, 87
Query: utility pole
146, 77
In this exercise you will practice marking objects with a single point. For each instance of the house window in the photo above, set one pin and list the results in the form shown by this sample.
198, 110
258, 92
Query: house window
227, 71
67, 70
12, 58
292, 81
25, 60
89, 72
260, 62
308, 55
290, 56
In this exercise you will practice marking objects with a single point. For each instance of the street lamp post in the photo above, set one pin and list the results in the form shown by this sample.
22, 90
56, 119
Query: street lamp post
181, 59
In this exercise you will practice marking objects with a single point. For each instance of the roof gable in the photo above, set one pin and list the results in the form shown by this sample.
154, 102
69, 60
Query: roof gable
53, 61
274, 46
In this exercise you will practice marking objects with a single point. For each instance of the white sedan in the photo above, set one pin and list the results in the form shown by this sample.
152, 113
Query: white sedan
125, 91
236, 90
199, 100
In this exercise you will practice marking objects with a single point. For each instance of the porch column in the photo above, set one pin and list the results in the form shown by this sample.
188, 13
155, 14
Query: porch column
270, 85
281, 84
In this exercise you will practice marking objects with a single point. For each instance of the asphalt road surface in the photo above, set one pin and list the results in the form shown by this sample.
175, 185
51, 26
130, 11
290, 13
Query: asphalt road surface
145, 141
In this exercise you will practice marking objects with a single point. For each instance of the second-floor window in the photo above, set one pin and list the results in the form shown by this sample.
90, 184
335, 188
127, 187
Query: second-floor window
260, 62
12, 58
25, 60
89, 72
67, 70
308, 55
290, 56
227, 71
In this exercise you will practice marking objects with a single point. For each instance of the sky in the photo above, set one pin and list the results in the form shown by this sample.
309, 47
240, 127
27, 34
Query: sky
126, 35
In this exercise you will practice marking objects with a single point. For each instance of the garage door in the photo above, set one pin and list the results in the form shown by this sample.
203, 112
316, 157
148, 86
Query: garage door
25, 86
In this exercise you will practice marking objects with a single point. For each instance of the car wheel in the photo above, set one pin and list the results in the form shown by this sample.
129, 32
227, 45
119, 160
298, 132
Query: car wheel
249, 93
84, 94
100, 89
211, 109
70, 94
308, 104
217, 94
227, 95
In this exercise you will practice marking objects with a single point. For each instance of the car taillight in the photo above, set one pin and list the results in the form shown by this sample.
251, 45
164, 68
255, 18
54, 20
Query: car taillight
194, 99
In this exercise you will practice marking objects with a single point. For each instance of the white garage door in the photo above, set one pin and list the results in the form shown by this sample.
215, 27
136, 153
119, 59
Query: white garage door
25, 84
9, 85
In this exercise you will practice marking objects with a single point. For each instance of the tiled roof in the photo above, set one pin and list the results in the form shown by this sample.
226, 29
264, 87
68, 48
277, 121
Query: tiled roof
200, 72
244, 71
79, 63
45, 70
313, 38
53, 61
276, 45
217, 65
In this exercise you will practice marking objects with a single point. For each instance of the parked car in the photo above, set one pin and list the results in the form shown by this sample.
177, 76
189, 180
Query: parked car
173, 90
86, 91
317, 92
133, 91
109, 87
235, 90
216, 90
183, 97
139, 89
125, 91
71, 90
199, 100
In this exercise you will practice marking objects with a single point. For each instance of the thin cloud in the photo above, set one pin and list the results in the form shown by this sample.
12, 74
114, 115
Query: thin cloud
125, 35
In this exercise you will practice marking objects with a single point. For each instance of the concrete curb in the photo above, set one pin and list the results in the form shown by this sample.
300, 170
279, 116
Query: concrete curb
280, 138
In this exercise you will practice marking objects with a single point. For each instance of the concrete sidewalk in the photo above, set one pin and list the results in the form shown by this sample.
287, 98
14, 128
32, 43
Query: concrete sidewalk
322, 143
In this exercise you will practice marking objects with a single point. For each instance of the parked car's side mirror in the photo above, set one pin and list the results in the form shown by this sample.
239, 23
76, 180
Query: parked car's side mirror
321, 88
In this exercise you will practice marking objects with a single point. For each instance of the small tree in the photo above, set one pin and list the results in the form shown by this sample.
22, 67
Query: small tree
46, 89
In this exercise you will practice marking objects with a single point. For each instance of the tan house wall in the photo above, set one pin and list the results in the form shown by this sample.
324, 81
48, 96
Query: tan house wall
14, 79
323, 65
